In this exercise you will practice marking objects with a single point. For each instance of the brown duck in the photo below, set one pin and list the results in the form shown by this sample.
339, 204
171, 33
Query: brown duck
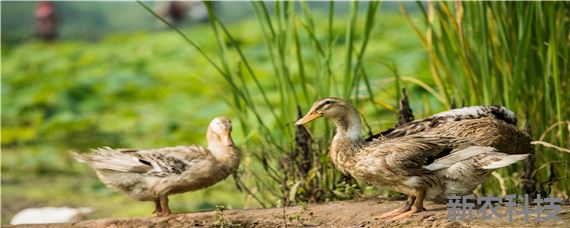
422, 165
154, 174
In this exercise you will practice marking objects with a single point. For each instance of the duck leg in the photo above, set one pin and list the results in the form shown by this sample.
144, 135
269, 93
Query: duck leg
405, 207
157, 207
164, 205
417, 206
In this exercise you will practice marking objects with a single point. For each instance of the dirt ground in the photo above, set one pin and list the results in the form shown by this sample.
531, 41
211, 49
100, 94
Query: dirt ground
357, 213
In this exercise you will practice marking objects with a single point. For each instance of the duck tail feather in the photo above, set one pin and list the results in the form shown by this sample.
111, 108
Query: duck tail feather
106, 158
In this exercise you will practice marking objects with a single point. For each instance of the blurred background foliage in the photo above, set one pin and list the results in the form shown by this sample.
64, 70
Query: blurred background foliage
118, 77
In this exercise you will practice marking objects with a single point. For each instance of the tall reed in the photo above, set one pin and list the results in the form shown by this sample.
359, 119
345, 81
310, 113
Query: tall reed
509, 53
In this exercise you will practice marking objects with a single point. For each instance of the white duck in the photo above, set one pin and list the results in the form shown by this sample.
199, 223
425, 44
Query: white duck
154, 174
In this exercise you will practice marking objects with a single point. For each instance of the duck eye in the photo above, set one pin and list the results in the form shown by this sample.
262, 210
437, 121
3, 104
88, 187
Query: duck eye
328, 102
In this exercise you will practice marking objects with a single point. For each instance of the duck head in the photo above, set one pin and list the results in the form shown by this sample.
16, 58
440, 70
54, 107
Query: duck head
330, 107
219, 131
340, 111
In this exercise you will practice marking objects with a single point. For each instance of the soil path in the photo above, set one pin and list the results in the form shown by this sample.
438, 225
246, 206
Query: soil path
356, 213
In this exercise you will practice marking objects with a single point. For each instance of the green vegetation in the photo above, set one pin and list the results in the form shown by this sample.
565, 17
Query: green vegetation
147, 90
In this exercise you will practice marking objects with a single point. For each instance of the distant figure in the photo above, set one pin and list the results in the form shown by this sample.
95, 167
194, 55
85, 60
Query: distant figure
50, 215
174, 11
46, 20
178, 11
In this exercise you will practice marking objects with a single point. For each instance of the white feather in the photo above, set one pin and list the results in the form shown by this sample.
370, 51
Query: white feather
476, 111
473, 110
458, 156
506, 161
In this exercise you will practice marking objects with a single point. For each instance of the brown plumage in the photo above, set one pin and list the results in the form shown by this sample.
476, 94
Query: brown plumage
493, 126
154, 174
421, 165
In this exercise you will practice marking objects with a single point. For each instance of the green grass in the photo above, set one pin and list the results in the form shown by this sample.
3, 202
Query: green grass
147, 90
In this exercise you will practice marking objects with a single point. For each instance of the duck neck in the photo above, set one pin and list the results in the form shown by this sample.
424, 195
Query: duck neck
349, 127
347, 141
228, 156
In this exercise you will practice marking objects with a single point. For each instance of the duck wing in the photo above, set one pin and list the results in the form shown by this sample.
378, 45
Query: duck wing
154, 162
473, 112
413, 155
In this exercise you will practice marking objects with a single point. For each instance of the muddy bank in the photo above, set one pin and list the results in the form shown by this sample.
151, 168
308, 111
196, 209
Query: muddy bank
357, 213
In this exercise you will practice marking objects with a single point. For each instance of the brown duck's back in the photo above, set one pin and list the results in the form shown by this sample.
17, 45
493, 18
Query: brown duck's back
506, 138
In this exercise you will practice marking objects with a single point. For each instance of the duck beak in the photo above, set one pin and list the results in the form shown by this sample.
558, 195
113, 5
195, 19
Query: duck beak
308, 118
227, 138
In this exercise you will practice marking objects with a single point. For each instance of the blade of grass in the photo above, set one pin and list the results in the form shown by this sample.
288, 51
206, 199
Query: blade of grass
350, 27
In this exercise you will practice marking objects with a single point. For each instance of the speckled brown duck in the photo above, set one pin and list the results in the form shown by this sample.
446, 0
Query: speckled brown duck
422, 166
154, 174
